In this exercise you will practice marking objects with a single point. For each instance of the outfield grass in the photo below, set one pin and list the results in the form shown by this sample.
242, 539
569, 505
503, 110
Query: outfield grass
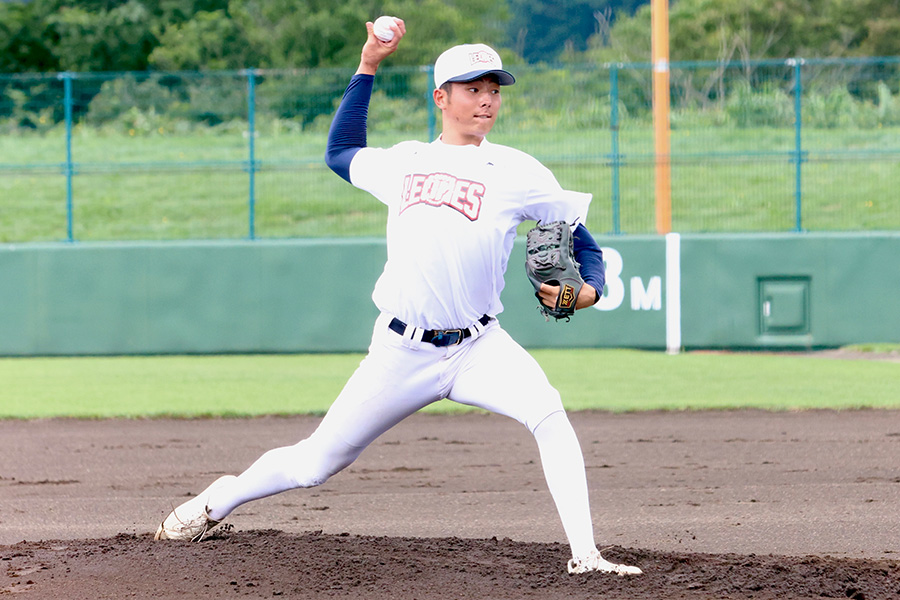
196, 185
614, 380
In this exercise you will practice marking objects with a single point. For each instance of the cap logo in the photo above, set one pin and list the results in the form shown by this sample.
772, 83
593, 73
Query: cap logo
481, 56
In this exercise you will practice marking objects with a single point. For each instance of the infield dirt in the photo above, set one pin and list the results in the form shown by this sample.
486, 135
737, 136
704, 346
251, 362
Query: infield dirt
737, 504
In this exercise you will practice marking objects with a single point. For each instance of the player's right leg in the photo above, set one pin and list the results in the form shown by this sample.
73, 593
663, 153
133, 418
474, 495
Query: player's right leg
391, 383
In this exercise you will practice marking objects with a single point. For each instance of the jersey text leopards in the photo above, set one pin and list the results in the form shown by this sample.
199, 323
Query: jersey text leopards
442, 189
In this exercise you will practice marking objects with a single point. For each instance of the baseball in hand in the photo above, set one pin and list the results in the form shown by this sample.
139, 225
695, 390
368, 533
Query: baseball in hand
383, 29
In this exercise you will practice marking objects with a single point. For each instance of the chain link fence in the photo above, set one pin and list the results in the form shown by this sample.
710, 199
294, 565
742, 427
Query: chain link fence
765, 146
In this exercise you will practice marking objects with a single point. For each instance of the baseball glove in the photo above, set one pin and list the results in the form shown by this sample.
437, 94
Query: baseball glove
550, 259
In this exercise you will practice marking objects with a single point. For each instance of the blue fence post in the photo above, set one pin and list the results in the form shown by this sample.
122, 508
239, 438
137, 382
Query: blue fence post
251, 134
614, 130
798, 143
432, 120
69, 169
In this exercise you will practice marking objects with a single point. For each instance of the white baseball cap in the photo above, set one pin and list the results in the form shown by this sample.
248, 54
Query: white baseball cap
468, 62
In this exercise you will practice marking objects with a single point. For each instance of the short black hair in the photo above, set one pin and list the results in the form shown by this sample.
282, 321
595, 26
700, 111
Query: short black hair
448, 85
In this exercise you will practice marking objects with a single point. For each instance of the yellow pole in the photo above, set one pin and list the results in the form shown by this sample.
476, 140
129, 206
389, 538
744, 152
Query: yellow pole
659, 24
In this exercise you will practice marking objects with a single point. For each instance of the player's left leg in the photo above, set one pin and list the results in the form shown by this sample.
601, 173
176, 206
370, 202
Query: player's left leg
498, 375
563, 464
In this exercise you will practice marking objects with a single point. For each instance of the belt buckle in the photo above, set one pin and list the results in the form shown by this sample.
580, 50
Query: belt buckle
441, 335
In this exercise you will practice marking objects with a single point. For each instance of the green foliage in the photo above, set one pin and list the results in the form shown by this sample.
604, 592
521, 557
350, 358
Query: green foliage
22, 108
209, 40
119, 38
146, 103
290, 34
54, 35
435, 25
395, 115
300, 96
570, 98
122, 98
838, 108
888, 110
542, 29
767, 107
94, 35
25, 41
745, 30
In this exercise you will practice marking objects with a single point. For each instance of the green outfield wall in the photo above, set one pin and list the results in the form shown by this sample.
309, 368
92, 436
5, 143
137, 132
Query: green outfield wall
778, 291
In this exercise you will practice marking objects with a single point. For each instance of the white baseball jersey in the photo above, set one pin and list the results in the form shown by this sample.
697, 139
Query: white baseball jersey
453, 213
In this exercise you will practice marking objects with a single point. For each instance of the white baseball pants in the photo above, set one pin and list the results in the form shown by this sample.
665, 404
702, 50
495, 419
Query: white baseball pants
398, 377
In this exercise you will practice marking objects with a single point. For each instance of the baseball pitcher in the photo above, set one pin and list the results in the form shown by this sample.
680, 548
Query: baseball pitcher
453, 208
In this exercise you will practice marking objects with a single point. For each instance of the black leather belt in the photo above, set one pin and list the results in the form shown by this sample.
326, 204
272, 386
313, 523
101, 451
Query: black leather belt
438, 337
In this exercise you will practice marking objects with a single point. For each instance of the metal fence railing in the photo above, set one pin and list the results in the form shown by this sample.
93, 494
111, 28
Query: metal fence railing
780, 145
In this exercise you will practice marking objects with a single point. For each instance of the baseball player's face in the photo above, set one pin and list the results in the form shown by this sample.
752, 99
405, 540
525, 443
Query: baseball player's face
469, 110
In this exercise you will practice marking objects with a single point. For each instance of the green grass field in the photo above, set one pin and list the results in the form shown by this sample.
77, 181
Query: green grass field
613, 380
196, 186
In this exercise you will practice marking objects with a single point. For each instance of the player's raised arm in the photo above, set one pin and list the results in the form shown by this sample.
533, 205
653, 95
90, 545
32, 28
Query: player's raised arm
347, 134
376, 49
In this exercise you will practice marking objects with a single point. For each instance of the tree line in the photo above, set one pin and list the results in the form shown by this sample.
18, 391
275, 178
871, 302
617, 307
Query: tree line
175, 35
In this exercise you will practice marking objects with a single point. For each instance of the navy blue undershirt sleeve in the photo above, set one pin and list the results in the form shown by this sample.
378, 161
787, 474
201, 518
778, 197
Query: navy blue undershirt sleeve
590, 257
347, 134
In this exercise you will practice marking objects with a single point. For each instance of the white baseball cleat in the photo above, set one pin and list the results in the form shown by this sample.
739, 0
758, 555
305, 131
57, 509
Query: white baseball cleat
595, 562
190, 522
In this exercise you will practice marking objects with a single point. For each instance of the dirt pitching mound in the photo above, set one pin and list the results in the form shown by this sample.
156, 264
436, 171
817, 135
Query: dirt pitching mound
267, 564
711, 505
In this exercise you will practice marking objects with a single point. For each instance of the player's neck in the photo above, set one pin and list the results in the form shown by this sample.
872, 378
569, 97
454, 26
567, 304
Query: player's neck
461, 139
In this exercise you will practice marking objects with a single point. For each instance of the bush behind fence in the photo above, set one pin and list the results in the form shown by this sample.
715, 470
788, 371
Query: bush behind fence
788, 145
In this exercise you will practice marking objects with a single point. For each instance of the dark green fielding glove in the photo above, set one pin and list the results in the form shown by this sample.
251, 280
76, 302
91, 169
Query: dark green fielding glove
550, 259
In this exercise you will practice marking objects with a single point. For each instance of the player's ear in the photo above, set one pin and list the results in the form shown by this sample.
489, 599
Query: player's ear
440, 98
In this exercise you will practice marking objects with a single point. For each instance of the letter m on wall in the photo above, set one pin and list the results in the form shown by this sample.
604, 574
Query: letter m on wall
649, 298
